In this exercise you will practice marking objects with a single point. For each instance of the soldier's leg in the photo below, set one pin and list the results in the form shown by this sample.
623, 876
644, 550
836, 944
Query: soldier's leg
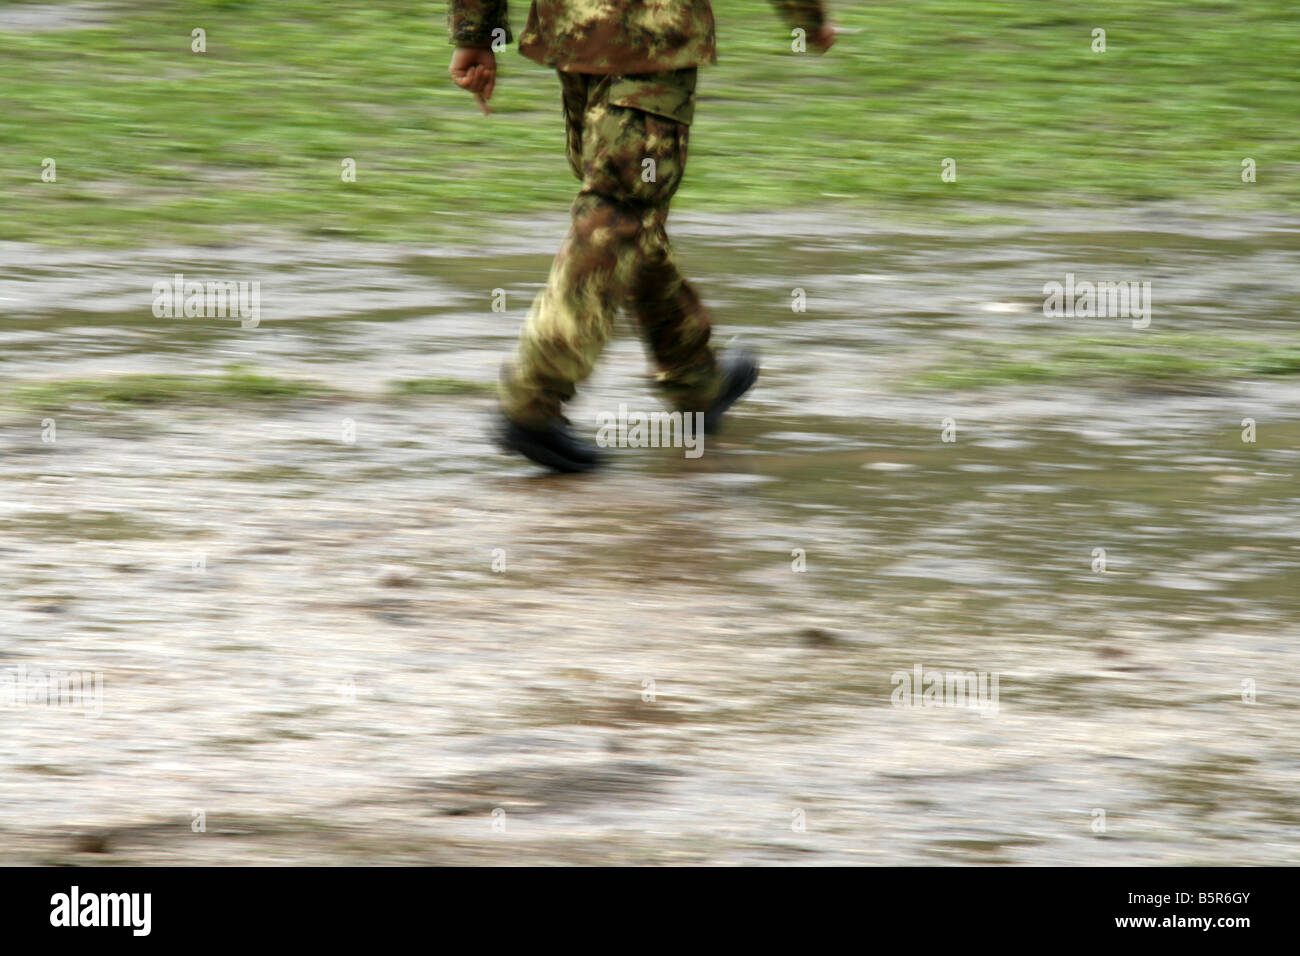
673, 321
617, 230
572, 317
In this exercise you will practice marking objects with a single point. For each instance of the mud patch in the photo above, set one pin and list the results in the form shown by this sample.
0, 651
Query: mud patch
54, 17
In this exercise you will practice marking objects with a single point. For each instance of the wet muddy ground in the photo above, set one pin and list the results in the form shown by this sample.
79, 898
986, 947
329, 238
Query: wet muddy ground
302, 637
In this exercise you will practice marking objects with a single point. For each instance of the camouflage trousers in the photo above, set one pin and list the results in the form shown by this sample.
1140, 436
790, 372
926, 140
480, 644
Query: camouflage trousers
627, 140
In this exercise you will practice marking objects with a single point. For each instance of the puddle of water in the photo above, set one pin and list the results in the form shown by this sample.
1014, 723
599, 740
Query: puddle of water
48, 17
649, 678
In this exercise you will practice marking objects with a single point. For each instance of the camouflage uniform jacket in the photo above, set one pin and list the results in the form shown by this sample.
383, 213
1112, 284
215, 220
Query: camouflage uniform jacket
612, 36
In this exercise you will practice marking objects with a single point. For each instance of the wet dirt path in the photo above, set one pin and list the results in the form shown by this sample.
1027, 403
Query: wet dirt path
304, 637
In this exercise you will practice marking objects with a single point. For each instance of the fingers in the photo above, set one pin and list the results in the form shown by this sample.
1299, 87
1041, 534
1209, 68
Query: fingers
465, 78
477, 79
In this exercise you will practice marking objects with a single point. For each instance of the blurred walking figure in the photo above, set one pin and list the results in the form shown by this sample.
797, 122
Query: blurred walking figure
627, 73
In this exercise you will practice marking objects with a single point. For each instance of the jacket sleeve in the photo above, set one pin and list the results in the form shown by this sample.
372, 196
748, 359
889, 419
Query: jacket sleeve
807, 14
471, 22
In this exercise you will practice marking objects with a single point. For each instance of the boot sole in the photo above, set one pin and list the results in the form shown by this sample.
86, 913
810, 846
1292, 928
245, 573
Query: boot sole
541, 455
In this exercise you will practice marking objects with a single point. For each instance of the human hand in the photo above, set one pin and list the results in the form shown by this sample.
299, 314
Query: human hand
475, 69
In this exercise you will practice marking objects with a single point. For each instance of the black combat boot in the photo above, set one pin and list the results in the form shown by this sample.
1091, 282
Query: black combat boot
551, 445
739, 372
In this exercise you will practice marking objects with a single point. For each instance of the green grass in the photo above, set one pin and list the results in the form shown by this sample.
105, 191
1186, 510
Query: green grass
1158, 359
439, 386
235, 385
153, 142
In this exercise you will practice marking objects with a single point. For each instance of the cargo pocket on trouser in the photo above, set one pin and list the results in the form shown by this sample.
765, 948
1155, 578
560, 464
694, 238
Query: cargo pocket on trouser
637, 134
630, 156
669, 95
